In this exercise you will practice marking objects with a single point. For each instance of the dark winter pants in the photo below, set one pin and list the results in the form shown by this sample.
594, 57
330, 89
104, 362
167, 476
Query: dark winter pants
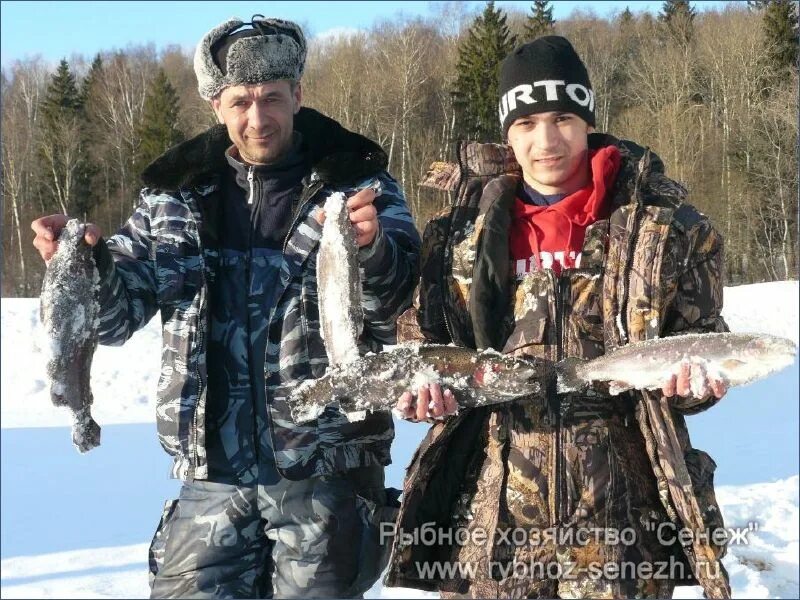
313, 538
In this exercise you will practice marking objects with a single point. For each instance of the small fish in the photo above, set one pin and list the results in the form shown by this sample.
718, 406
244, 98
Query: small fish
376, 381
735, 358
69, 314
339, 283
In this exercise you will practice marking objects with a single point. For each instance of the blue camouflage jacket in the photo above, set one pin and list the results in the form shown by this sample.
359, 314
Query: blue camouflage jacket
165, 256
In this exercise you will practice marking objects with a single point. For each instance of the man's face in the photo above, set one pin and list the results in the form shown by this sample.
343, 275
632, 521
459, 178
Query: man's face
552, 149
259, 118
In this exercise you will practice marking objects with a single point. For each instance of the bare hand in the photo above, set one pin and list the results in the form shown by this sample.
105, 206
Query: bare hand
680, 383
363, 215
431, 403
48, 229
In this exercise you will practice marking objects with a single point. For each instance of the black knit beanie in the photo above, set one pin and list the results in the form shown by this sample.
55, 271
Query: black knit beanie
542, 76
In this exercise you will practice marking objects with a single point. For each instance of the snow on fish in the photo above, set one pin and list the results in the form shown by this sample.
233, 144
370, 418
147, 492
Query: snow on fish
69, 313
376, 381
735, 358
339, 283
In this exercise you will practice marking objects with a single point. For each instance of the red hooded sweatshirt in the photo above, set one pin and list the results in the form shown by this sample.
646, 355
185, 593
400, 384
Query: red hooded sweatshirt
551, 237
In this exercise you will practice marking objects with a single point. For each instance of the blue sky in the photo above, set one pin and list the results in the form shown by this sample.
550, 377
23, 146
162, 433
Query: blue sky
61, 29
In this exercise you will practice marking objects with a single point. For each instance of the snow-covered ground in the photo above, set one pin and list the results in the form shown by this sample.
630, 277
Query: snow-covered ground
79, 525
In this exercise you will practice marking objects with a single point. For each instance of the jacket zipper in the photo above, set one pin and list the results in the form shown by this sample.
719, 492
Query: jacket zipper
202, 393
250, 181
195, 458
248, 276
305, 196
560, 292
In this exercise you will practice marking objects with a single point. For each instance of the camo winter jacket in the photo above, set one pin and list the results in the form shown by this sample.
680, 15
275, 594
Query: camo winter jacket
653, 268
165, 256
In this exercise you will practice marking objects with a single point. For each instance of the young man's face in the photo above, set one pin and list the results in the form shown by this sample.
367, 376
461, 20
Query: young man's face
259, 118
552, 149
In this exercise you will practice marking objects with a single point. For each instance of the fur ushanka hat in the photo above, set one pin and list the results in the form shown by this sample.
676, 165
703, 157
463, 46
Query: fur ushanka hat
271, 49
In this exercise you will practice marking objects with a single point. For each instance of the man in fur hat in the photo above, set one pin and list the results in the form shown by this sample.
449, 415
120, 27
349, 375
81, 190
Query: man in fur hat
223, 244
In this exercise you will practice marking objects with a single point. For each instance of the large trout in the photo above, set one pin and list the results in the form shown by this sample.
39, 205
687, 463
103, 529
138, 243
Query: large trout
735, 358
376, 381
339, 283
69, 314
341, 315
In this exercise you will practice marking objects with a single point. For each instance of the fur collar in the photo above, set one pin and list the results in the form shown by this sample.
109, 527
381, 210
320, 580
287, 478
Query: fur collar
338, 156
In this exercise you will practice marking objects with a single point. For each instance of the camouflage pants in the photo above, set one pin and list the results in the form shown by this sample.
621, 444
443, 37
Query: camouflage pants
313, 538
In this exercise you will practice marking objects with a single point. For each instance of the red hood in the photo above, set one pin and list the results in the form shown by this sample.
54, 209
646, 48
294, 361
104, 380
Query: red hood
559, 228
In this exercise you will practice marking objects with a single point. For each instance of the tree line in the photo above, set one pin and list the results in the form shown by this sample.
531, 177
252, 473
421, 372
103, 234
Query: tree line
714, 94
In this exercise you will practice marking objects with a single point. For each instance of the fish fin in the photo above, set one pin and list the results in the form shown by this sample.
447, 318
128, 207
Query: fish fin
732, 363
567, 377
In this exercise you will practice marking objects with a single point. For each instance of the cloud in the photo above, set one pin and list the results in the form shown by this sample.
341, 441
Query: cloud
336, 33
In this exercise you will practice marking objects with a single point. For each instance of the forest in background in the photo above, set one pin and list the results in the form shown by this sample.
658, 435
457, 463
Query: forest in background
713, 93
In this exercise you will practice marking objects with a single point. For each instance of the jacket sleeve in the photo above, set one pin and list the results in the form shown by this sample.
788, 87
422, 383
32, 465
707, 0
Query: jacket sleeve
127, 292
696, 297
390, 263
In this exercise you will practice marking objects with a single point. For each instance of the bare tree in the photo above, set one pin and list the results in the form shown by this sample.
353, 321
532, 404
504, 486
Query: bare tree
701, 102
119, 102
21, 100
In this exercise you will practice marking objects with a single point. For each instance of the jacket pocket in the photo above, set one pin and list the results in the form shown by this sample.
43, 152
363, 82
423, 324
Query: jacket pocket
178, 269
158, 544
584, 328
532, 301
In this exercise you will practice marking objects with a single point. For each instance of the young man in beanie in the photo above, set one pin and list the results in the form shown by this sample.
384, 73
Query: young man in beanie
565, 243
224, 245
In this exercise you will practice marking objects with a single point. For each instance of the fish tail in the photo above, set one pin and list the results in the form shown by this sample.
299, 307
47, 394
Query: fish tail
86, 434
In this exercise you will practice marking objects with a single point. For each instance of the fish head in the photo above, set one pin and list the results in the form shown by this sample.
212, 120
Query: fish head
752, 356
506, 376
778, 350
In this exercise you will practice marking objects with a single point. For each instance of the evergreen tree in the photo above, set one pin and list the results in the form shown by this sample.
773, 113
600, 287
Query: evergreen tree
62, 100
94, 74
475, 93
62, 144
781, 30
158, 129
678, 18
626, 19
540, 22
91, 186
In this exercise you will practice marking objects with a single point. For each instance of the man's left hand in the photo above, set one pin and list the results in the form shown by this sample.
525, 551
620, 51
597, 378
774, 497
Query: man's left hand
363, 215
680, 383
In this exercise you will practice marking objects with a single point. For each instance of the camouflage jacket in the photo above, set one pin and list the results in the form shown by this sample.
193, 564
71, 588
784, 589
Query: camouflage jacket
653, 268
164, 259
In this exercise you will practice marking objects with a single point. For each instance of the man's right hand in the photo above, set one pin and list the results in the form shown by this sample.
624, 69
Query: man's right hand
48, 229
431, 403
